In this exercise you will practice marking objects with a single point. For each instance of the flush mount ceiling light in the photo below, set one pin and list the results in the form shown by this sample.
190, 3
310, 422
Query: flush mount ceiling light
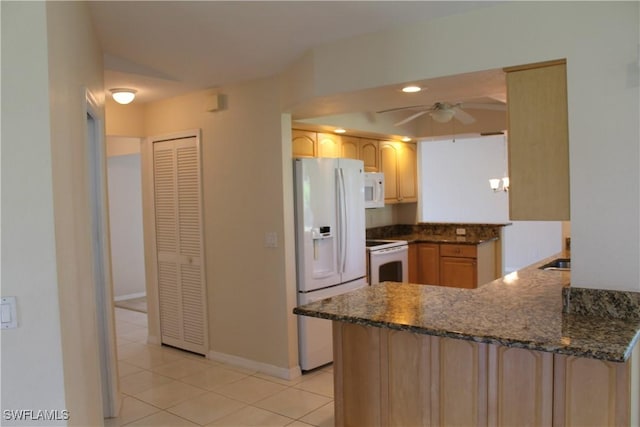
411, 89
339, 130
406, 139
122, 95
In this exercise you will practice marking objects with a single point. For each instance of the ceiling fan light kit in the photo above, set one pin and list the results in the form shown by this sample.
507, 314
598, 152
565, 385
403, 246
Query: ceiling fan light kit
442, 115
443, 112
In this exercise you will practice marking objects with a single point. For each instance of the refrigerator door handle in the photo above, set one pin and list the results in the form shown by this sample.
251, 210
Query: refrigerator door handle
342, 203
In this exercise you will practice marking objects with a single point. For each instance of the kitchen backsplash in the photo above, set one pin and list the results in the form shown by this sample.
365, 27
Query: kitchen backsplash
482, 231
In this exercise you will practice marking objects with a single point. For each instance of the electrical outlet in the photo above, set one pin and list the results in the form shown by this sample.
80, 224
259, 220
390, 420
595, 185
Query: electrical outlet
270, 239
461, 231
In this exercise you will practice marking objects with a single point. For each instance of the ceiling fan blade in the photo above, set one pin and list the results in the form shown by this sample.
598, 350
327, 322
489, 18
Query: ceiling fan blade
402, 108
411, 117
478, 106
462, 116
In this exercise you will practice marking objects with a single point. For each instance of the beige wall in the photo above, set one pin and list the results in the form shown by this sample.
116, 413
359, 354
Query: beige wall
250, 300
124, 120
75, 61
51, 360
122, 145
32, 366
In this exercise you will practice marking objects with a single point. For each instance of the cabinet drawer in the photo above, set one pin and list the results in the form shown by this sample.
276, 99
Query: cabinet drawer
462, 251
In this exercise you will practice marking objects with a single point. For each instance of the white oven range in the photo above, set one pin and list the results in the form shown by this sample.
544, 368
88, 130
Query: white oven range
387, 260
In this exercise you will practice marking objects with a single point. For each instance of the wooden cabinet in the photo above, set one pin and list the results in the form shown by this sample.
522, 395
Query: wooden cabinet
386, 377
369, 154
458, 272
520, 384
538, 142
412, 260
458, 266
459, 374
303, 143
455, 265
398, 161
428, 259
350, 147
329, 145
408, 173
590, 392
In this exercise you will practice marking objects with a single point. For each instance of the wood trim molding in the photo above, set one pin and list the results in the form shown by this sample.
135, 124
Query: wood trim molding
534, 65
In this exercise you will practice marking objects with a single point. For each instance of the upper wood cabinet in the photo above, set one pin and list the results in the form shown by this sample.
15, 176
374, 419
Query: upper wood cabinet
408, 173
329, 145
369, 154
538, 142
303, 143
350, 147
398, 161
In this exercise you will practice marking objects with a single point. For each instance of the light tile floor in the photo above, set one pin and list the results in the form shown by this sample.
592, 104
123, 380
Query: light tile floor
163, 386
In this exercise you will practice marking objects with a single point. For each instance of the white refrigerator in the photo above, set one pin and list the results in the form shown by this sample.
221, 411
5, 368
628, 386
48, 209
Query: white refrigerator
330, 244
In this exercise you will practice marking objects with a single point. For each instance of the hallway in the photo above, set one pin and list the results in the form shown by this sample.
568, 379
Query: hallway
163, 386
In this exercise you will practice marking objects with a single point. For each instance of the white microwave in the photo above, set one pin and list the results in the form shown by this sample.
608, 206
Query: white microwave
373, 190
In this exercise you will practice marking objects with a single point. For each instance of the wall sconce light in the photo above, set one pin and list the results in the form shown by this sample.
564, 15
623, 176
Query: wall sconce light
498, 184
123, 96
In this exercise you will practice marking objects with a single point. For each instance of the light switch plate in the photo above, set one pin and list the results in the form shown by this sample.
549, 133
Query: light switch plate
8, 312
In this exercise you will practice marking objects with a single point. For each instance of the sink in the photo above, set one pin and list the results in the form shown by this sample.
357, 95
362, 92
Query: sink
562, 264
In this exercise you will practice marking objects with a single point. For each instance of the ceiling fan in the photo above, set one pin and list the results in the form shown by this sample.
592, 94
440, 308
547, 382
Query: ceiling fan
443, 111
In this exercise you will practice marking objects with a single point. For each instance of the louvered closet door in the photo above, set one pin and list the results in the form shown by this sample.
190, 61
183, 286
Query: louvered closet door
181, 284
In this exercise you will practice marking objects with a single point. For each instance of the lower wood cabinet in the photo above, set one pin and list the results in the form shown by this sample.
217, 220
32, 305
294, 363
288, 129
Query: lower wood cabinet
412, 260
385, 377
428, 263
455, 265
589, 392
520, 387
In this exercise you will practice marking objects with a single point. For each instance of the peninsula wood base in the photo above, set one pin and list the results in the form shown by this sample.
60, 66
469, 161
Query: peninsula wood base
385, 377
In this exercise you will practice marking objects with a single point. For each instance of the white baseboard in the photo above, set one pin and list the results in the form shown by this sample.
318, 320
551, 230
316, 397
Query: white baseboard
130, 296
265, 368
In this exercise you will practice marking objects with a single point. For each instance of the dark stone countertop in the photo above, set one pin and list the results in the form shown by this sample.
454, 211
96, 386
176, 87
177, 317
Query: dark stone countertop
432, 238
523, 309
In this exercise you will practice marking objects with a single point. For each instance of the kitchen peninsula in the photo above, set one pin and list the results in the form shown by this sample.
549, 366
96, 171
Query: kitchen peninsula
521, 350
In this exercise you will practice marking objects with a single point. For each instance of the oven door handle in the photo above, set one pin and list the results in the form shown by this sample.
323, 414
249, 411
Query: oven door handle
390, 250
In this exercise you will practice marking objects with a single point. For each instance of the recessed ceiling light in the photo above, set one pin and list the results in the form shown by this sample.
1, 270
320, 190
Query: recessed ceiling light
339, 130
411, 89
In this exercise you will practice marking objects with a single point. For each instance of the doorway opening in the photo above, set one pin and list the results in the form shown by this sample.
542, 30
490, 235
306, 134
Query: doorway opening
101, 272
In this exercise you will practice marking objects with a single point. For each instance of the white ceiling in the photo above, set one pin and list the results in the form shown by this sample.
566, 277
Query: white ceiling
166, 48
